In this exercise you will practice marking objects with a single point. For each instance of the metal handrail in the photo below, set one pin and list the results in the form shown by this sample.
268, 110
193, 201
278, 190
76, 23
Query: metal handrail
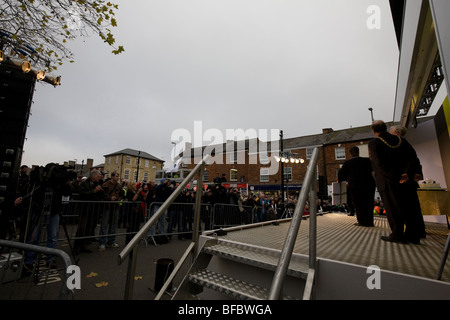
130, 250
47, 251
291, 236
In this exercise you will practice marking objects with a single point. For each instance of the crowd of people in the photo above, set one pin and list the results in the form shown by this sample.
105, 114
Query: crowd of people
115, 203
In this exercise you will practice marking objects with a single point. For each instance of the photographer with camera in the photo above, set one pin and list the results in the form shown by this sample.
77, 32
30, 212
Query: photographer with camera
47, 186
110, 217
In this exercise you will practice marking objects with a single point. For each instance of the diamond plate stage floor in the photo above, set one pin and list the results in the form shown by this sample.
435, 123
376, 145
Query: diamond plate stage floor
339, 239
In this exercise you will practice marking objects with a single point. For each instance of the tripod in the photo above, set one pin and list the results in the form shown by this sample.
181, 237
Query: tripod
40, 223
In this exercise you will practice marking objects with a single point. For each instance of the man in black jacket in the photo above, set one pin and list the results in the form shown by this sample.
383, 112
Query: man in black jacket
396, 168
357, 171
90, 190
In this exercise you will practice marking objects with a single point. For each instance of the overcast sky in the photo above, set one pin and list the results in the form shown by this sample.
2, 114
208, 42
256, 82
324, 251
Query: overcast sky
293, 65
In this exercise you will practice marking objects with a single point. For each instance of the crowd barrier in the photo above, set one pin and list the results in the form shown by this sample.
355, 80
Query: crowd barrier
43, 281
97, 218
93, 221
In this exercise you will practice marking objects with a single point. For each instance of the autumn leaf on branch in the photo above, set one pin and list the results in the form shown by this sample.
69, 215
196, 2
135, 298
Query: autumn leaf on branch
41, 29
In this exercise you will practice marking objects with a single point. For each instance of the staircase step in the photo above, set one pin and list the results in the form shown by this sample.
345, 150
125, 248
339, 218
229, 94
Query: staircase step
257, 256
233, 287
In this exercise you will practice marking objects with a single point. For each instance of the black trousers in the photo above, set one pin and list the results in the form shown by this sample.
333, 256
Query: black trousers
403, 211
363, 198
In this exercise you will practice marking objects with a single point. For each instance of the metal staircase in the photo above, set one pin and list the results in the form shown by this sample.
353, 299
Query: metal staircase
232, 270
238, 270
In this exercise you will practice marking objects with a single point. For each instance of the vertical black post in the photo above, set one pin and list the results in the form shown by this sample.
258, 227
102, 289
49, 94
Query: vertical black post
138, 164
282, 167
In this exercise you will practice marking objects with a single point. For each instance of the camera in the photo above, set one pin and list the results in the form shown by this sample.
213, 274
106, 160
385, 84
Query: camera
52, 175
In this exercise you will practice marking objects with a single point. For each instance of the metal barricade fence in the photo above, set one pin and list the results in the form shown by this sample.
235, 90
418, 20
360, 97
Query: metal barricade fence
178, 219
227, 215
89, 220
38, 281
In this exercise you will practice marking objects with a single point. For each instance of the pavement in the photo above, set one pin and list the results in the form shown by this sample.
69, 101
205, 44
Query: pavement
102, 278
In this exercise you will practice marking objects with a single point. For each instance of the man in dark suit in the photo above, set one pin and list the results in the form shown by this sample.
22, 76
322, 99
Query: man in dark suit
357, 171
396, 168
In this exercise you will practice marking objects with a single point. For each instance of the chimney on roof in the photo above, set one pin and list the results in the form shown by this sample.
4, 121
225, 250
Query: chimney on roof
327, 130
89, 163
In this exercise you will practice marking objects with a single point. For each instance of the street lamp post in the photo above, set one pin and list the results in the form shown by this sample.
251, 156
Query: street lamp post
282, 167
285, 157
371, 113
138, 164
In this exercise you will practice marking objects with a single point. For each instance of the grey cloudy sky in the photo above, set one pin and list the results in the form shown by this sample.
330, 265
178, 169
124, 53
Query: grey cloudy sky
294, 65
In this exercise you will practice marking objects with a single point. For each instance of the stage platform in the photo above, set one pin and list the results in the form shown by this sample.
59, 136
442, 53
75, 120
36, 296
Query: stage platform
339, 239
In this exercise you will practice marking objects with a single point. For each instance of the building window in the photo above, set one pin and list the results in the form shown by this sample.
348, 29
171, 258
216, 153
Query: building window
206, 175
147, 163
128, 160
340, 153
264, 175
127, 174
287, 172
117, 159
263, 157
309, 152
159, 175
233, 157
109, 160
135, 176
146, 176
233, 175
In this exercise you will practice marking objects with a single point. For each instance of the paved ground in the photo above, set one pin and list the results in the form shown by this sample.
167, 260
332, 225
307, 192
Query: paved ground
102, 278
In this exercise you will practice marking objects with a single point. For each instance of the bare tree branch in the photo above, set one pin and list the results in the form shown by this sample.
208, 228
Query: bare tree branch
41, 28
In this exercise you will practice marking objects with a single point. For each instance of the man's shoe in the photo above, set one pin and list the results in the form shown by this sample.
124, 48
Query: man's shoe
413, 240
101, 248
392, 239
114, 245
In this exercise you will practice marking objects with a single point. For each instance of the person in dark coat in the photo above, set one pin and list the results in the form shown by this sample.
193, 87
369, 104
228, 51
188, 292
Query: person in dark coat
411, 186
396, 168
357, 171
90, 190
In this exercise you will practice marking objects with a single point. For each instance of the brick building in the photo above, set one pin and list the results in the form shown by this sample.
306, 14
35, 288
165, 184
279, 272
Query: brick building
247, 166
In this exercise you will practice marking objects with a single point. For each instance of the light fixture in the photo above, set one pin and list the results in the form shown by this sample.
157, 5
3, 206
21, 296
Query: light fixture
40, 75
26, 66
19, 63
56, 81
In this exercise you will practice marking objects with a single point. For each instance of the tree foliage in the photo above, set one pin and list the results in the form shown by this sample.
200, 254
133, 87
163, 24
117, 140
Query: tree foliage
42, 28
